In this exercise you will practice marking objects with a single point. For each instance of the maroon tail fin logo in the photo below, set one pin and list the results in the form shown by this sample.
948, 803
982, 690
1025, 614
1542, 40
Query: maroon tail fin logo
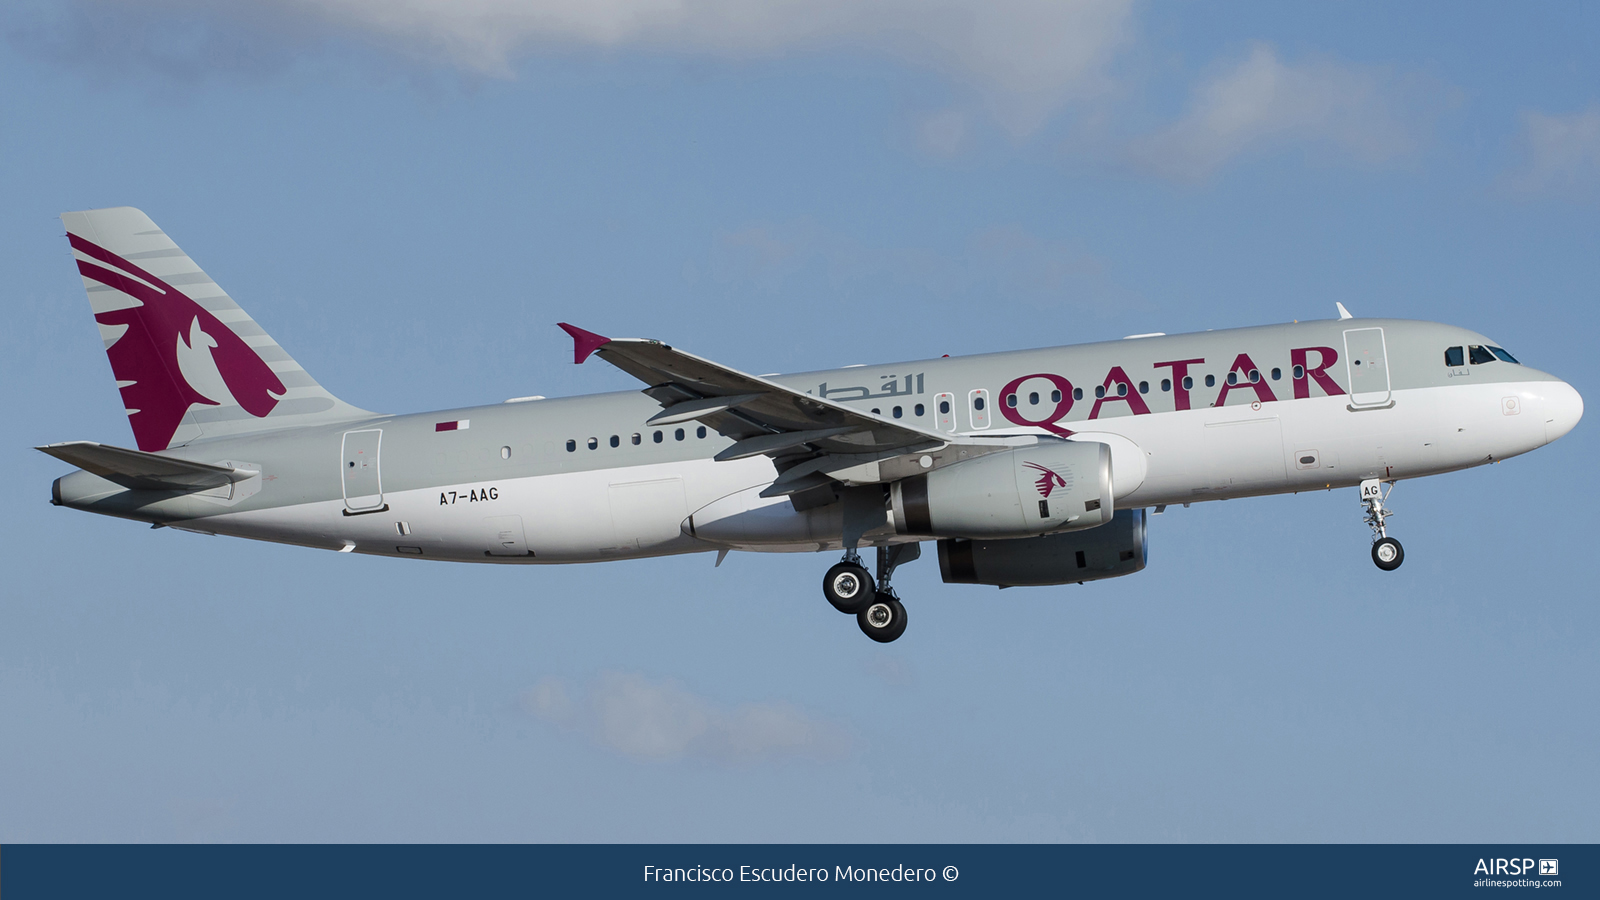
163, 350
1048, 481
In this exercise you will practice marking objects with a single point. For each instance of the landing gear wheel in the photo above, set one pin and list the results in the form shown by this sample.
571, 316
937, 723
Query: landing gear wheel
849, 588
1388, 554
883, 620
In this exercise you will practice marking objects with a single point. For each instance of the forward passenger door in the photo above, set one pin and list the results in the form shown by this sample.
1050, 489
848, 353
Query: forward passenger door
1367, 363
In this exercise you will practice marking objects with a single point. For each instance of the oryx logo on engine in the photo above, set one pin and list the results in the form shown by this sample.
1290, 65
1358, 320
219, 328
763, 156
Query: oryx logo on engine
1048, 481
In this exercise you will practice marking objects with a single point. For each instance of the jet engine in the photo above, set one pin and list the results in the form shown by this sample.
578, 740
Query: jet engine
1052, 486
1106, 552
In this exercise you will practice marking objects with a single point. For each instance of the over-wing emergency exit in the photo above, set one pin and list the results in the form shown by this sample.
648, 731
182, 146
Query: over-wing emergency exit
1030, 467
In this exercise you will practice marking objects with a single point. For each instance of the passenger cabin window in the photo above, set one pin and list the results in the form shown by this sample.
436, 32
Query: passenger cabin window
978, 408
1277, 374
593, 443
636, 438
616, 441
919, 410
1211, 381
572, 446
1077, 393
1479, 355
678, 435
700, 432
1455, 357
946, 406
1166, 385
656, 437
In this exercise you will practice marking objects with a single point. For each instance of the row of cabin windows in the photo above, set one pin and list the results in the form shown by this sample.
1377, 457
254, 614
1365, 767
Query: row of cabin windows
900, 411
978, 403
637, 439
1476, 355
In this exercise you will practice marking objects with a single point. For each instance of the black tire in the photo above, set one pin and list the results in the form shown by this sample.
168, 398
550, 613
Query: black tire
849, 588
1387, 554
883, 620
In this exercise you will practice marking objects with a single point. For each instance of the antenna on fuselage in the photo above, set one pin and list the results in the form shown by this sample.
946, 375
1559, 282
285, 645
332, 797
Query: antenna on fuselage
1343, 313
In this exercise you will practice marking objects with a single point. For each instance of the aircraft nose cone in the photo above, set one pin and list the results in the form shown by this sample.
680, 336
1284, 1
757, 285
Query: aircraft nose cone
1562, 407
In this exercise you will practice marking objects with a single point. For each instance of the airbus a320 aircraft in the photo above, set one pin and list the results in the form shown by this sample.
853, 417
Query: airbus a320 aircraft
1033, 467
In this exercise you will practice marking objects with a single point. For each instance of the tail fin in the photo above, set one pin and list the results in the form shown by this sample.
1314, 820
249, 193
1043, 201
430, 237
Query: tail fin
189, 362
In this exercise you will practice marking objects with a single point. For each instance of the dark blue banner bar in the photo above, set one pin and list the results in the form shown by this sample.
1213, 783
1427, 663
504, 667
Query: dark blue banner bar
955, 870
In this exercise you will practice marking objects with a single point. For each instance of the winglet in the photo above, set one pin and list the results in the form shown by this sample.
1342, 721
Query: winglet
583, 342
1343, 313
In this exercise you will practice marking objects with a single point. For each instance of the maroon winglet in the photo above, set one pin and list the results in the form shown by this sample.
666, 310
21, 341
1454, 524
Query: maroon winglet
583, 342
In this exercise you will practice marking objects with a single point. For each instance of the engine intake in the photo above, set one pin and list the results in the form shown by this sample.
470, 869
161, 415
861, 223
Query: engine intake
1107, 552
1053, 486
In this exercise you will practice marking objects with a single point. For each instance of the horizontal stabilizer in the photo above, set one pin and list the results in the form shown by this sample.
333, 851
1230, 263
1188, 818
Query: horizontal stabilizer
146, 471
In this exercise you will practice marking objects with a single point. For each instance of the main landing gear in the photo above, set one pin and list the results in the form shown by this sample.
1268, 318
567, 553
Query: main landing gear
1387, 553
877, 609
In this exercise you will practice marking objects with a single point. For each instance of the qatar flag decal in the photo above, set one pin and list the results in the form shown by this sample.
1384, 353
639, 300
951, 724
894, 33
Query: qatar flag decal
457, 425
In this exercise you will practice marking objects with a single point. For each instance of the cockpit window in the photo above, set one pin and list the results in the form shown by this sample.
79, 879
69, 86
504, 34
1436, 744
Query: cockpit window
1455, 357
1479, 355
1497, 351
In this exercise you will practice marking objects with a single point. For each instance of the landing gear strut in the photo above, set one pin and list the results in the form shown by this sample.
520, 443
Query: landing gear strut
1386, 551
851, 590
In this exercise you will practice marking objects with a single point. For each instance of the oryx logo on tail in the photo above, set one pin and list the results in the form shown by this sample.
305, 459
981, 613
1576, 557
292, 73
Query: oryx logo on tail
1048, 481
169, 353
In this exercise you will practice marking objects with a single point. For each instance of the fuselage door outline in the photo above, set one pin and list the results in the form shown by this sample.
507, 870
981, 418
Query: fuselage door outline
1367, 367
358, 470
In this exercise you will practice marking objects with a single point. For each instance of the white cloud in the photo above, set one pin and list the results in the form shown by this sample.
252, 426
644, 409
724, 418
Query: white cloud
661, 720
1025, 58
1563, 154
1021, 60
1263, 103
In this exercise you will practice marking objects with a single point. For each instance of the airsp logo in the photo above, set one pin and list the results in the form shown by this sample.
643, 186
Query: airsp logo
1516, 867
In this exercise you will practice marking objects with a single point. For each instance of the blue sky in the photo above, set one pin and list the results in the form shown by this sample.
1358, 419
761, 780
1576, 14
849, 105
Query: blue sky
410, 202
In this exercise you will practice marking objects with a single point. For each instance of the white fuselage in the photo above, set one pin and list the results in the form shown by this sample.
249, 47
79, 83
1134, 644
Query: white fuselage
635, 510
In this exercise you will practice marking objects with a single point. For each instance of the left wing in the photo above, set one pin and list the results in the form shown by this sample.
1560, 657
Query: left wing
814, 441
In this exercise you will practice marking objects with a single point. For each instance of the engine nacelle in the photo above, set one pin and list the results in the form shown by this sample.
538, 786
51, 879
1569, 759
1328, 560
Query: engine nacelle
1052, 486
1105, 552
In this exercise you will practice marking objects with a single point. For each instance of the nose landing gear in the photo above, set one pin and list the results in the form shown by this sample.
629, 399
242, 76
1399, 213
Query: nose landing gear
878, 610
1387, 553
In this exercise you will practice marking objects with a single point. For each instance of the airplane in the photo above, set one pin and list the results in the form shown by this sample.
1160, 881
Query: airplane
1028, 467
